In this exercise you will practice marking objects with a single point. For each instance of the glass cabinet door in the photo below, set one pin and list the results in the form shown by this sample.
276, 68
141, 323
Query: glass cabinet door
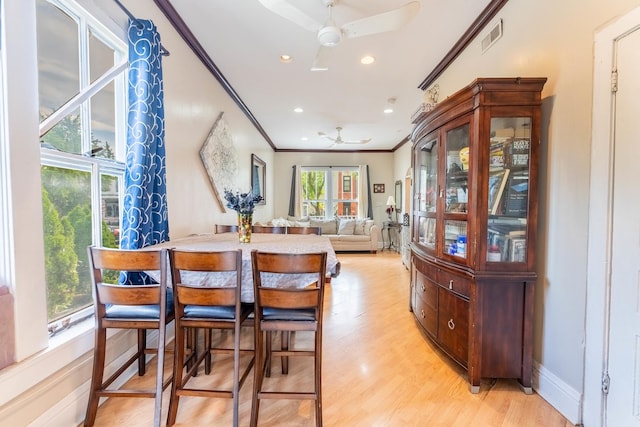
426, 181
456, 191
508, 189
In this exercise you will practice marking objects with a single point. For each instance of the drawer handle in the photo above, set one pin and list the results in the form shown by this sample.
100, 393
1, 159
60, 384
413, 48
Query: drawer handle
451, 324
422, 313
422, 287
451, 284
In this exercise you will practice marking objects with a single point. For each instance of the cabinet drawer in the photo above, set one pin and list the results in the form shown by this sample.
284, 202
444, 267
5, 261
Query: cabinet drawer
453, 324
427, 291
427, 316
454, 282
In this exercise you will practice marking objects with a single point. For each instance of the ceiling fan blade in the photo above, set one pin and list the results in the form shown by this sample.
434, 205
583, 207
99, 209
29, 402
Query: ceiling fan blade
362, 141
324, 135
320, 61
382, 22
292, 13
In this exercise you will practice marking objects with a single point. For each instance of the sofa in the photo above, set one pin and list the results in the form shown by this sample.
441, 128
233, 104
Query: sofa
346, 235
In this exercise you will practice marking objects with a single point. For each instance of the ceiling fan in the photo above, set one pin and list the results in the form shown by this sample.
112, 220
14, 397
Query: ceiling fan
338, 140
330, 35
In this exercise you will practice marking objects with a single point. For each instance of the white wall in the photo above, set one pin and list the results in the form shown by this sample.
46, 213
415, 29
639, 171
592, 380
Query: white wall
553, 39
380, 172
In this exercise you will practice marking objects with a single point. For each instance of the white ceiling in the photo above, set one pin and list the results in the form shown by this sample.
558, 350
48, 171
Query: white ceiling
245, 40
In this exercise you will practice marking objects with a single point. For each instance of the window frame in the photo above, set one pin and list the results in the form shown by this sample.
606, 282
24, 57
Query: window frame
331, 200
96, 166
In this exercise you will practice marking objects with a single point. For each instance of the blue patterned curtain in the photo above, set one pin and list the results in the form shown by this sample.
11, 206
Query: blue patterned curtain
144, 219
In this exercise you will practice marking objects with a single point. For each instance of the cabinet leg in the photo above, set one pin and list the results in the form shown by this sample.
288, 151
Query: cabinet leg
475, 389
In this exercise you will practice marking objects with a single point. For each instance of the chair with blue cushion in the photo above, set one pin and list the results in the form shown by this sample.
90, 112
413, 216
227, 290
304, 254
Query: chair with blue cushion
288, 292
128, 306
207, 308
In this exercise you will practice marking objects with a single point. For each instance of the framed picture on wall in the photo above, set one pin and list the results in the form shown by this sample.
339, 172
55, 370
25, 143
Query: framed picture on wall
378, 188
258, 177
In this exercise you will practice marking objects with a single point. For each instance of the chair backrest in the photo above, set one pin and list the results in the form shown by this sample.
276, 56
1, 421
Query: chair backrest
304, 230
268, 229
195, 293
221, 228
307, 293
107, 264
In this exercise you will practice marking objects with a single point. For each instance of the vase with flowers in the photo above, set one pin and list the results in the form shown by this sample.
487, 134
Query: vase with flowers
243, 204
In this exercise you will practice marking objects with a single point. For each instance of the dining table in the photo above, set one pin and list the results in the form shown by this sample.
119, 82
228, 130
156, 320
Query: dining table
266, 242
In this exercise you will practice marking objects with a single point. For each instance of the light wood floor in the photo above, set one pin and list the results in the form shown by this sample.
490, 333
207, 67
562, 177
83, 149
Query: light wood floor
378, 370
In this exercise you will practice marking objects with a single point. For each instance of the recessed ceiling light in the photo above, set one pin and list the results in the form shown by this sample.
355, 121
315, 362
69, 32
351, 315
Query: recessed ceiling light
298, 110
389, 108
304, 138
286, 58
367, 60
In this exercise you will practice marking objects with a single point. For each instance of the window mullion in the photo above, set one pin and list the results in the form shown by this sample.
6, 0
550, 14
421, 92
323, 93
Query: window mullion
96, 204
85, 106
329, 189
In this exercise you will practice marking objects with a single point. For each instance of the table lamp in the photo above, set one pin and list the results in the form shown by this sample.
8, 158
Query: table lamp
391, 203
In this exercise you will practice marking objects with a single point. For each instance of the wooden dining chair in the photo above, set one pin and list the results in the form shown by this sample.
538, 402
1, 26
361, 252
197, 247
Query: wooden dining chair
207, 308
138, 307
221, 228
281, 307
268, 229
304, 230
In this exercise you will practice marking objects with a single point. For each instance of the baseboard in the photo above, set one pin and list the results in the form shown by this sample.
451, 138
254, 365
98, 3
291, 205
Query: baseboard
61, 400
559, 394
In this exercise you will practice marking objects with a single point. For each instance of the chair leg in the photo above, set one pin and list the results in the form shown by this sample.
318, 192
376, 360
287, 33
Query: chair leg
178, 368
159, 374
96, 379
142, 346
236, 373
285, 344
318, 377
208, 337
258, 375
268, 353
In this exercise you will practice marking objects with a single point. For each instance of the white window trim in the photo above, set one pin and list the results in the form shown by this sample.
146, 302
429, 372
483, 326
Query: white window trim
330, 199
38, 357
96, 166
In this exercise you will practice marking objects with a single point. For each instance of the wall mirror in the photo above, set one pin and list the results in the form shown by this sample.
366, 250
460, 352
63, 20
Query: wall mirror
398, 197
258, 177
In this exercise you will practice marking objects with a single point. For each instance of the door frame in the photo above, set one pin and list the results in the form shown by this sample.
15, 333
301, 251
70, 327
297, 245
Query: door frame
601, 218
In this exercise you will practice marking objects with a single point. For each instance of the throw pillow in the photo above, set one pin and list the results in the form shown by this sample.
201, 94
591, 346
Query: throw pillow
359, 227
294, 219
347, 226
328, 226
367, 226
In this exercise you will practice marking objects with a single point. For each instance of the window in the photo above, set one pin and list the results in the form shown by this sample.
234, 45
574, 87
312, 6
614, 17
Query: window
81, 103
329, 192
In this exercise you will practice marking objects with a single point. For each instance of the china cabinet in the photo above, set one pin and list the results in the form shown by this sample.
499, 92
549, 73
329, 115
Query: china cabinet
473, 226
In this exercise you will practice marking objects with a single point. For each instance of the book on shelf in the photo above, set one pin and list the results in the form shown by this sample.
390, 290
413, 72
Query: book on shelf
497, 184
512, 246
517, 198
517, 249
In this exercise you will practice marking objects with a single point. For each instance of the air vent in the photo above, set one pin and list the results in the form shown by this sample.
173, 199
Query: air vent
492, 37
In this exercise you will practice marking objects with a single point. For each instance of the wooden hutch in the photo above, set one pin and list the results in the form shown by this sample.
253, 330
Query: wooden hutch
473, 226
